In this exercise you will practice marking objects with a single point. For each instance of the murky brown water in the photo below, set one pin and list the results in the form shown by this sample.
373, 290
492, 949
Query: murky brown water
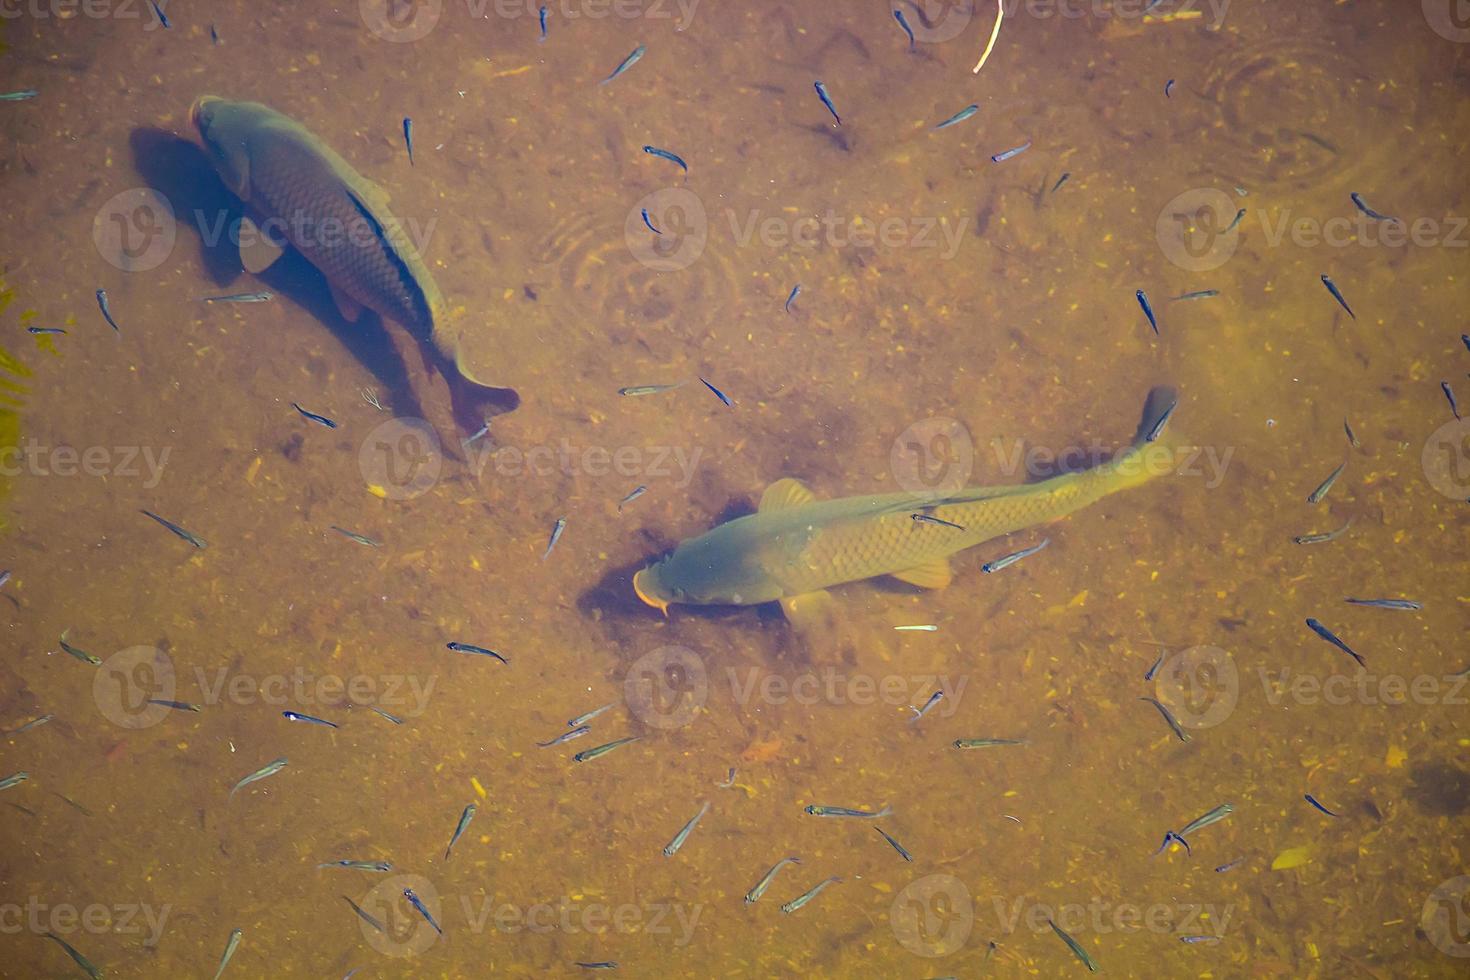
936, 285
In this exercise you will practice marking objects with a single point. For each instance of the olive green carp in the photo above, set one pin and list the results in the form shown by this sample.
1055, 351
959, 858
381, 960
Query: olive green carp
297, 188
795, 546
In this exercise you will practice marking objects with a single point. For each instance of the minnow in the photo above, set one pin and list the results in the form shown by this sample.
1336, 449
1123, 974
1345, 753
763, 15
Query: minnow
1328, 635
985, 743
414, 901
801, 900
1316, 495
925, 628
80, 960
755, 893
1313, 800
176, 705
577, 732
842, 811
21, 96
4, 578
896, 845
903, 22
1060, 181
1363, 207
1148, 311
1337, 294
180, 532
458, 647
934, 699
719, 394
1168, 88
309, 719
649, 222
673, 846
1226, 867
729, 782
556, 531
1351, 436
1323, 536
633, 495
289, 178
381, 713
459, 828
927, 519
625, 64
1406, 604
1013, 557
1073, 945
106, 311
1449, 395
354, 536
213, 36
257, 297
582, 719
1013, 151
958, 117
33, 723
1234, 222
1214, 816
1169, 717
1200, 940
232, 944
365, 916
79, 653
318, 419
796, 546
1149, 674
1171, 837
408, 138
269, 769
637, 390
541, 15
45, 330
162, 17
1465, 339
14, 779
827, 101
673, 158
380, 866
599, 965
795, 292
588, 755
1197, 294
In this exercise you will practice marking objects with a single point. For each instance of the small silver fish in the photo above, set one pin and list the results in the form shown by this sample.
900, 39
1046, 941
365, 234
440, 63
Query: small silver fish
308, 719
958, 117
106, 312
178, 531
625, 64
260, 297
556, 530
719, 394
582, 719
33, 723
233, 944
801, 900
637, 390
1337, 295
353, 535
985, 743
1013, 151
633, 495
842, 811
1363, 207
1168, 717
269, 769
1316, 495
1013, 557
1324, 536
1148, 311
459, 829
928, 519
379, 866
673, 846
588, 755
755, 893
934, 699
14, 779
923, 628
577, 732
827, 101
896, 845
1406, 604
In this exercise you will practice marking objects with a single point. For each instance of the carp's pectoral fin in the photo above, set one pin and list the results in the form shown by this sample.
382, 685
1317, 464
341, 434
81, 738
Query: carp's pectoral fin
257, 252
810, 611
788, 492
350, 308
935, 574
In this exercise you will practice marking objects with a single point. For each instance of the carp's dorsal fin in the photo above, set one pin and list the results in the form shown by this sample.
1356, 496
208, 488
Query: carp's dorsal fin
786, 493
257, 252
934, 574
350, 308
810, 612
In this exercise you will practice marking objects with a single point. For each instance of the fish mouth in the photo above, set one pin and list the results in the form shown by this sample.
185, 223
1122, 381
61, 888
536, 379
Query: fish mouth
197, 109
643, 585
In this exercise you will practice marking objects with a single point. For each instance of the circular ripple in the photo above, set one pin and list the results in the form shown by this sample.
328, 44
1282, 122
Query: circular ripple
1286, 109
591, 260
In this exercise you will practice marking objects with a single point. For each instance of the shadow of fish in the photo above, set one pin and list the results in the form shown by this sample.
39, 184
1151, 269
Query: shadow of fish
339, 221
